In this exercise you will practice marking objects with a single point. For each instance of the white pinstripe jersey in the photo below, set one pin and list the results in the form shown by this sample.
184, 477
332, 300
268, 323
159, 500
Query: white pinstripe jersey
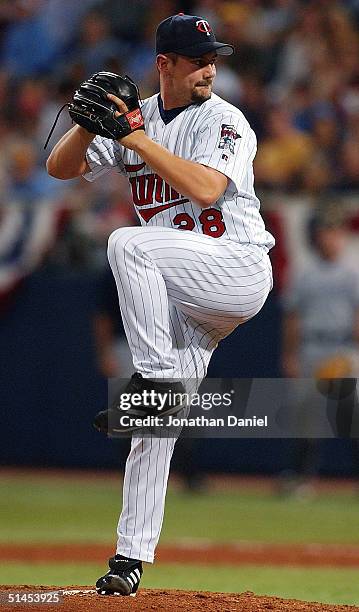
215, 134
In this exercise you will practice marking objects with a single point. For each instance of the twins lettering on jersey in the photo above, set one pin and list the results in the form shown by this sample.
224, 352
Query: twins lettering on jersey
150, 189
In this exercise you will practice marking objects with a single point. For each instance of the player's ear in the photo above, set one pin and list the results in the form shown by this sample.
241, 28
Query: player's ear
163, 62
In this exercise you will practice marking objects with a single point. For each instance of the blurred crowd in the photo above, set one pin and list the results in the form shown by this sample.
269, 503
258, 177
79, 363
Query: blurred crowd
295, 75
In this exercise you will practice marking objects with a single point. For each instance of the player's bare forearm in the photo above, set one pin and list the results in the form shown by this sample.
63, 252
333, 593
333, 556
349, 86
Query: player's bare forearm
199, 183
67, 160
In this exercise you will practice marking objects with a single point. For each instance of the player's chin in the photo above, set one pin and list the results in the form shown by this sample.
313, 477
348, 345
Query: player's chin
201, 93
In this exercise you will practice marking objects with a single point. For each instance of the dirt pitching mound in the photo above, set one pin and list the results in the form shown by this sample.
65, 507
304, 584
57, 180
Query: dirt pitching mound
83, 599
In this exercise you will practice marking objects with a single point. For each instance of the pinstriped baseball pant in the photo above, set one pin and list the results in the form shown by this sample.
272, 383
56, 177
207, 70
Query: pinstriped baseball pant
180, 293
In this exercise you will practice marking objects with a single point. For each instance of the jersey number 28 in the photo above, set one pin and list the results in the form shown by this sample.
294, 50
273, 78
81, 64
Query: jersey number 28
210, 218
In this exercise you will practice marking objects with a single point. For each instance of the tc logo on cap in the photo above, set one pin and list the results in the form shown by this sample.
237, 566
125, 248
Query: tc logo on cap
203, 26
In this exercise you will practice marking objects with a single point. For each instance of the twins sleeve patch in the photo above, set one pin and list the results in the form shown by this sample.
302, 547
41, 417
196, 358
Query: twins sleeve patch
228, 137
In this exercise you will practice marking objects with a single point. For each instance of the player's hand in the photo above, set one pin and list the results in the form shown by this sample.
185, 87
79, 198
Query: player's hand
131, 139
92, 109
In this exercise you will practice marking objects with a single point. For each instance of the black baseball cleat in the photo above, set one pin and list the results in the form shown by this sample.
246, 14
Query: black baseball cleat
122, 579
139, 399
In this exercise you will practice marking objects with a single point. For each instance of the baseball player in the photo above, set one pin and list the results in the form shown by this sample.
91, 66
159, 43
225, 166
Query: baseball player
196, 268
320, 334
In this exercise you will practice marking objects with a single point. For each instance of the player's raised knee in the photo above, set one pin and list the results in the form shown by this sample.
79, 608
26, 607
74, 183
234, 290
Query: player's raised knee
119, 237
115, 241
122, 239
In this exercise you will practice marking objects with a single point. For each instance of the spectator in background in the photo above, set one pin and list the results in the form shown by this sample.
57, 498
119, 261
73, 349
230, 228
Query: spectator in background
300, 100
28, 47
128, 19
27, 183
30, 99
254, 103
209, 9
349, 164
62, 91
321, 334
302, 45
321, 174
322, 305
326, 131
63, 19
139, 63
284, 153
38, 33
268, 26
236, 18
348, 157
97, 46
228, 85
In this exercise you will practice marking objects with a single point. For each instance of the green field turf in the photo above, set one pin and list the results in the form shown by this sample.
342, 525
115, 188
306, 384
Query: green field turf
324, 585
38, 510
68, 510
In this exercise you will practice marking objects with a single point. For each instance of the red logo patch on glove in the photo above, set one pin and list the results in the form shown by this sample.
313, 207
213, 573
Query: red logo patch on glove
135, 119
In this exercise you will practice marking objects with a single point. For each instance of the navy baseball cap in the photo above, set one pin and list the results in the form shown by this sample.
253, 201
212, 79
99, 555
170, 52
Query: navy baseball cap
188, 35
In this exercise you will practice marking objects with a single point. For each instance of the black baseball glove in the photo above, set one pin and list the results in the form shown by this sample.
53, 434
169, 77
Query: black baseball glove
94, 111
